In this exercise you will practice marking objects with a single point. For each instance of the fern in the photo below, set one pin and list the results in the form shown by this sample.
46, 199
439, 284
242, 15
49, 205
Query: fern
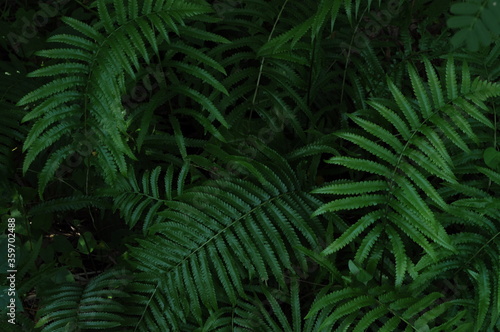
198, 138
11, 133
405, 165
268, 313
143, 201
89, 85
385, 308
66, 204
247, 230
407, 198
93, 306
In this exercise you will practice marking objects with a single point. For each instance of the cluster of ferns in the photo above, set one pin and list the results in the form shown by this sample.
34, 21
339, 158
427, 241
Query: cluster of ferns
283, 165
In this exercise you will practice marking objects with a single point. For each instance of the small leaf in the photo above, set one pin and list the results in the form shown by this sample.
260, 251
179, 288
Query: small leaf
492, 158
86, 243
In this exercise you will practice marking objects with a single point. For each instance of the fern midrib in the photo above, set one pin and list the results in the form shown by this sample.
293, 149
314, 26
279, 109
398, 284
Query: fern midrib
231, 225
147, 196
147, 305
476, 254
208, 241
261, 68
395, 313
391, 181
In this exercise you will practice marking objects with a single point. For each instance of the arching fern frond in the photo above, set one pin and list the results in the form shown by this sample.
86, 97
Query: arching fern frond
11, 131
85, 93
384, 308
141, 200
216, 236
94, 306
410, 169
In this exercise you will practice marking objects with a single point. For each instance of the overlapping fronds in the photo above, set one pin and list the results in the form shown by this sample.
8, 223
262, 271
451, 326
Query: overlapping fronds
384, 308
95, 305
140, 201
418, 185
85, 93
197, 130
214, 238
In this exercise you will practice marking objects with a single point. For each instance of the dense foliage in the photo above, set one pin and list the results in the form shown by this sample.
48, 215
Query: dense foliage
192, 165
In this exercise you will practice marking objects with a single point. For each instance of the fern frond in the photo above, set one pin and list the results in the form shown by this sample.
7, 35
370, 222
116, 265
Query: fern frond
385, 308
93, 306
100, 63
142, 202
247, 230
400, 189
66, 203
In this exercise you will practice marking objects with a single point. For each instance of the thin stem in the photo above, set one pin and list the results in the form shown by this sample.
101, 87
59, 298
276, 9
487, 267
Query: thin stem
263, 58
314, 43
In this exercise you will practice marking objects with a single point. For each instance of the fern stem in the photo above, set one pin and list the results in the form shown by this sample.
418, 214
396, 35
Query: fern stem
86, 7
147, 305
495, 128
242, 217
476, 253
309, 83
263, 58
349, 55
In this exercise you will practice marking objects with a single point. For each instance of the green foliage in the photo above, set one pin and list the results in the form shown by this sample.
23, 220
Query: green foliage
94, 306
13, 87
414, 193
252, 166
477, 21
88, 86
217, 236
